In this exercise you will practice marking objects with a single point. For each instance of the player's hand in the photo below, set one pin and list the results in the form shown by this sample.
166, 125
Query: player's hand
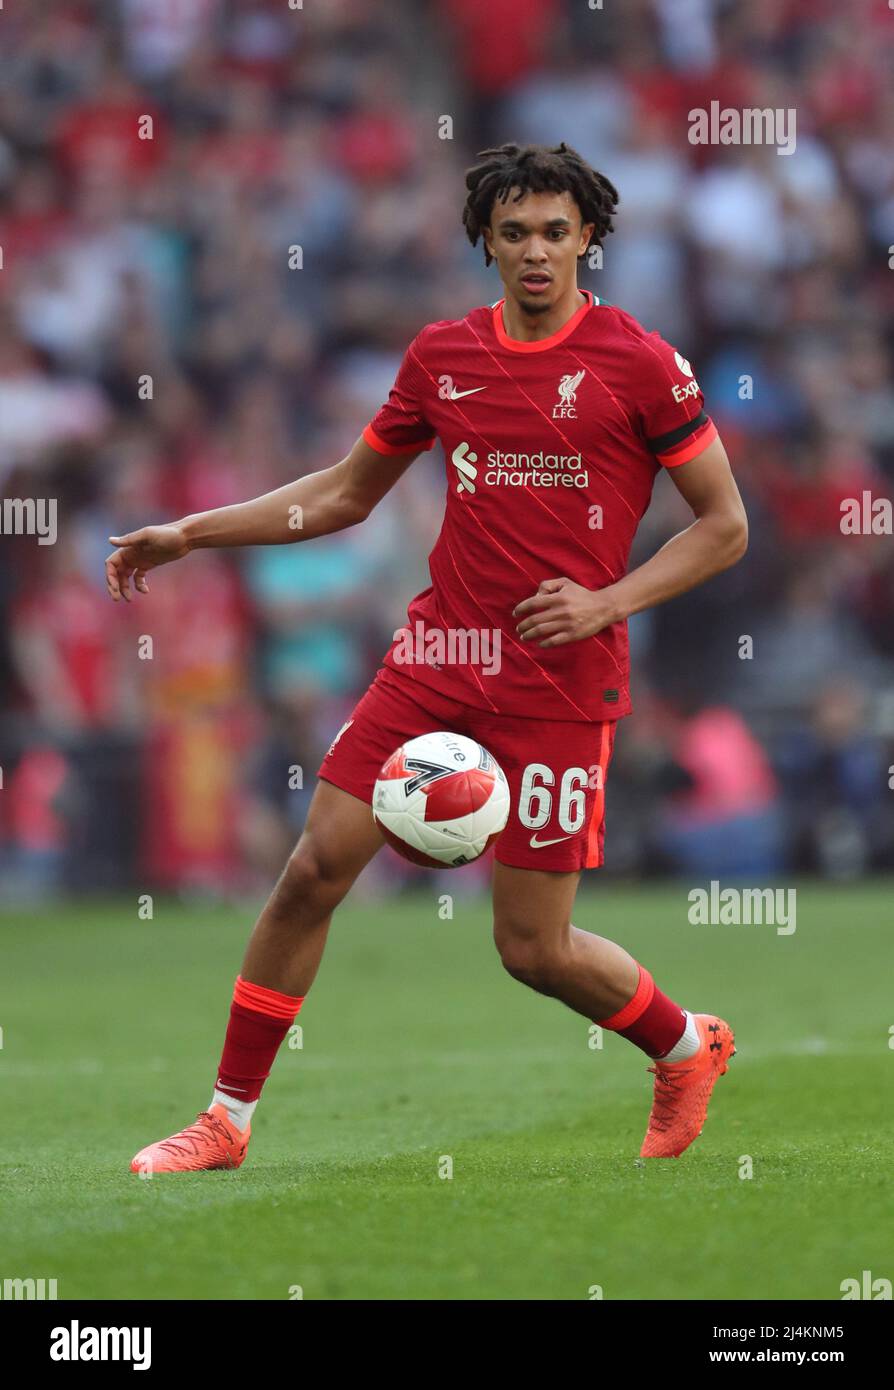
138, 552
562, 611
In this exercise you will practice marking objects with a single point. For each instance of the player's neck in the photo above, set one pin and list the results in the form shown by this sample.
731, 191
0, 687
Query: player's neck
527, 327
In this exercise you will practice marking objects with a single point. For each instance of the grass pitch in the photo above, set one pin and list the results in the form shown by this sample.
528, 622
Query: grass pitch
418, 1049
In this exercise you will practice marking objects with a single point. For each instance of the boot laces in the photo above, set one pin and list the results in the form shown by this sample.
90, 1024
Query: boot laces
667, 1089
192, 1138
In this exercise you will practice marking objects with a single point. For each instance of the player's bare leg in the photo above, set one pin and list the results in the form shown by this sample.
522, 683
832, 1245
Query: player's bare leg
540, 946
338, 841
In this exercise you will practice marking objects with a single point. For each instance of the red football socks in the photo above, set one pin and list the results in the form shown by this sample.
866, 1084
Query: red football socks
649, 1020
259, 1020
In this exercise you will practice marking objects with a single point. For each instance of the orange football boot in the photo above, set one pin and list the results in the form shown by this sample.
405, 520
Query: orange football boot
212, 1141
683, 1089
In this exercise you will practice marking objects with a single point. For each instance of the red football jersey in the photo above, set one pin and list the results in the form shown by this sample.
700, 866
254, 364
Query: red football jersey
551, 449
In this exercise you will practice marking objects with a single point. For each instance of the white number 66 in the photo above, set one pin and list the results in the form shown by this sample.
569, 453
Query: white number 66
536, 800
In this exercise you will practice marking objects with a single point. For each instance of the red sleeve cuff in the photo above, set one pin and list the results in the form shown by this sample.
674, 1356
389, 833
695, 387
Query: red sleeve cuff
381, 446
691, 447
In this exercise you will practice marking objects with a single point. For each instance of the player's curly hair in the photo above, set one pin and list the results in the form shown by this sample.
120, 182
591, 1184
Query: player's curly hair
536, 169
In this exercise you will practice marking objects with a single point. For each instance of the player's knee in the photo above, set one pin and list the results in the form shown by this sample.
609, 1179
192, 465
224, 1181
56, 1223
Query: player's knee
310, 879
526, 959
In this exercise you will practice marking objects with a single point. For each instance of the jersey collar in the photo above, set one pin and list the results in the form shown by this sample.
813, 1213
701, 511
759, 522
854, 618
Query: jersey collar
542, 344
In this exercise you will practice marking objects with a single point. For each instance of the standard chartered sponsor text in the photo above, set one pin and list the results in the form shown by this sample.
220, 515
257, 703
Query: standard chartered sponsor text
535, 470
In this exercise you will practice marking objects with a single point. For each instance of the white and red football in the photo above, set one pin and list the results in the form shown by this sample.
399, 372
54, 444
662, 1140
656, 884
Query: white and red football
441, 800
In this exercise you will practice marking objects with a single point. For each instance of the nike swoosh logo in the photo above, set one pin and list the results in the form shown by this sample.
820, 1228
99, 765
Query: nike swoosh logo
542, 844
455, 395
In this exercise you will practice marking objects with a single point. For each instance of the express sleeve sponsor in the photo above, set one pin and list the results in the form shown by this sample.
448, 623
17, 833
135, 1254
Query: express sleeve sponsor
400, 424
670, 404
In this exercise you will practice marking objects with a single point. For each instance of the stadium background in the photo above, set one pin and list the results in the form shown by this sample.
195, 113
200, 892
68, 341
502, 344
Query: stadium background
319, 127
170, 257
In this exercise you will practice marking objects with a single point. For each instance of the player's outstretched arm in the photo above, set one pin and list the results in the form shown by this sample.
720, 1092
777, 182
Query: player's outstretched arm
562, 611
317, 505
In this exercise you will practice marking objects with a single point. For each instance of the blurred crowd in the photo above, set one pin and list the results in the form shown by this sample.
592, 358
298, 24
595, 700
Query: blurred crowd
221, 221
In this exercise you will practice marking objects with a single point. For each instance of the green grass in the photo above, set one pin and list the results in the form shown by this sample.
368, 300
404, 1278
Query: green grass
417, 1045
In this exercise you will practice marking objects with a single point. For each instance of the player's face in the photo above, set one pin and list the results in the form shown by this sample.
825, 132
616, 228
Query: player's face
536, 243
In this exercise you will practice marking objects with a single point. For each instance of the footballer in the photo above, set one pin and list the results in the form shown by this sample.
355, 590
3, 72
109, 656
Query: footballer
555, 412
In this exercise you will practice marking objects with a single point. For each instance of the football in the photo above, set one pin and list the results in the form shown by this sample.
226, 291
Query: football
441, 800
